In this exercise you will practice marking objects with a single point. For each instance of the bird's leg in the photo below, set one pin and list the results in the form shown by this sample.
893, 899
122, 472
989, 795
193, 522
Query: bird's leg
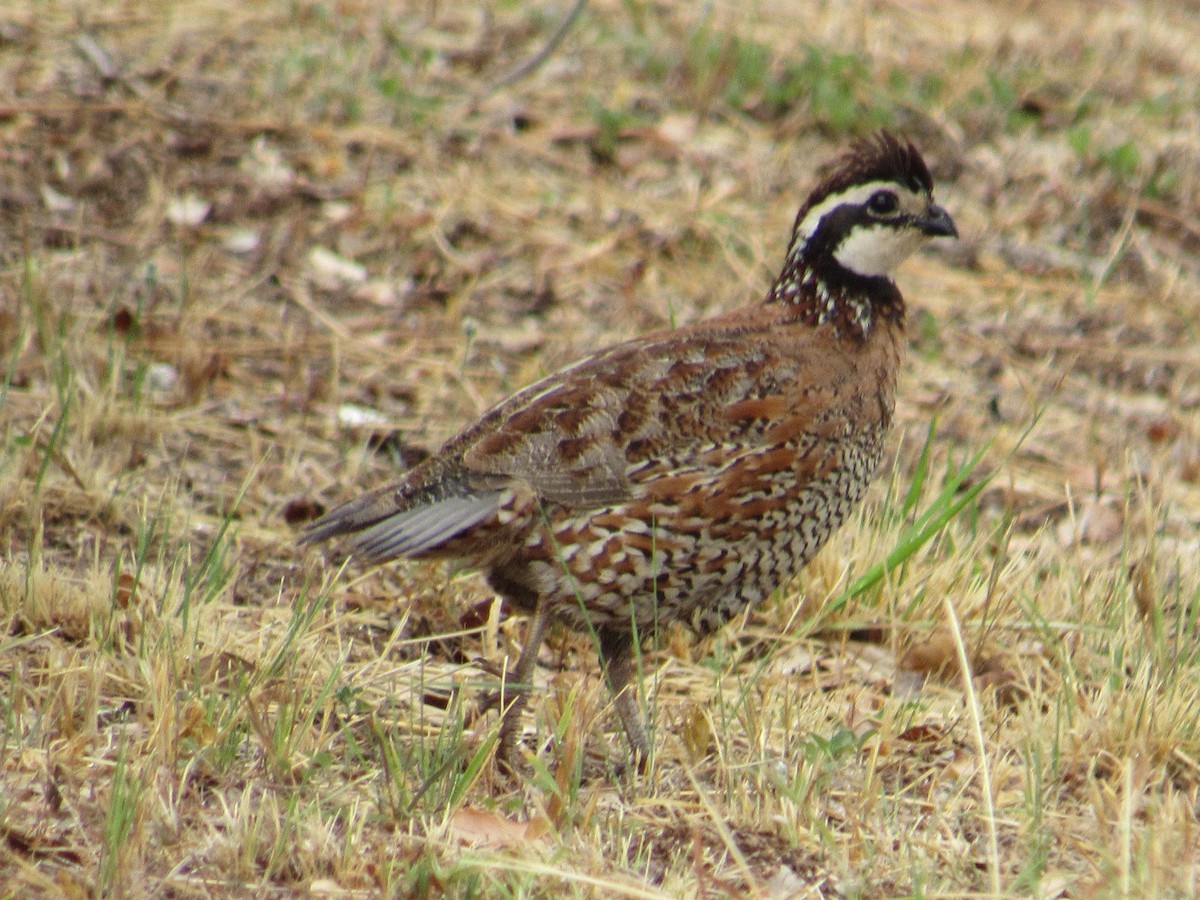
616, 656
520, 684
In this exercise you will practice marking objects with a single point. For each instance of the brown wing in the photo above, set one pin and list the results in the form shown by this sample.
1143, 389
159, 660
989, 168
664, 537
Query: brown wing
584, 437
581, 437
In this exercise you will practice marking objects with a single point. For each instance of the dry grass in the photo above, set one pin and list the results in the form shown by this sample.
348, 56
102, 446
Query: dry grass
189, 705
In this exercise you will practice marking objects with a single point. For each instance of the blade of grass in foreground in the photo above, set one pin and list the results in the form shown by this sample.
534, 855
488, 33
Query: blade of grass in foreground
941, 511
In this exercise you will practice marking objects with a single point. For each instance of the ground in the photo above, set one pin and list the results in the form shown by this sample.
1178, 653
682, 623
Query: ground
256, 258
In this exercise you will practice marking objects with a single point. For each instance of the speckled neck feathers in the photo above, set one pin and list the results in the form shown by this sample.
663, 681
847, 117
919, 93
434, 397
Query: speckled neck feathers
825, 292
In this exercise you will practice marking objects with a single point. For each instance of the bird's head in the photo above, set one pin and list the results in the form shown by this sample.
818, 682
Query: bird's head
872, 209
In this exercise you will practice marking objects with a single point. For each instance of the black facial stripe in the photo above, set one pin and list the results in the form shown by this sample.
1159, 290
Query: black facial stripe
841, 220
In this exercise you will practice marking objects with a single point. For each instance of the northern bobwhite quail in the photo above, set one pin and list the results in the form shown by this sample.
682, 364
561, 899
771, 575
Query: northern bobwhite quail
683, 475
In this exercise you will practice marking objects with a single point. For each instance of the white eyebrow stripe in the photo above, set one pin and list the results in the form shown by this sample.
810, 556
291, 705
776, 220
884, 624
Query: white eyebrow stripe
858, 194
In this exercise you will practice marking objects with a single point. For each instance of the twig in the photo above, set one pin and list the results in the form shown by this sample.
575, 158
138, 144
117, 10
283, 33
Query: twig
534, 62
1154, 209
101, 60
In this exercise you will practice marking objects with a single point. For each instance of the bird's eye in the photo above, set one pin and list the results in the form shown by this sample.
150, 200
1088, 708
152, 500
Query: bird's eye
883, 203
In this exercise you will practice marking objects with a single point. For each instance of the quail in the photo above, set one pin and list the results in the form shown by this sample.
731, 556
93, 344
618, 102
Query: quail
683, 475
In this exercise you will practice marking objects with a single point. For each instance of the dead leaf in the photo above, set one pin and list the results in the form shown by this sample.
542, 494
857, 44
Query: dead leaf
123, 321
241, 241
55, 202
1162, 429
477, 615
302, 509
799, 661
1009, 684
786, 883
126, 588
479, 827
162, 378
188, 211
381, 292
222, 669
327, 887
936, 657
194, 724
350, 415
332, 272
266, 166
926, 733
337, 212
677, 128
200, 370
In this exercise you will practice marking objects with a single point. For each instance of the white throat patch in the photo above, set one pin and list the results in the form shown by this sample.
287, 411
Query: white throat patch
877, 249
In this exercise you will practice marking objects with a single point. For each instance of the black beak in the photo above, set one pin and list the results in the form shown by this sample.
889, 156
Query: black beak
937, 222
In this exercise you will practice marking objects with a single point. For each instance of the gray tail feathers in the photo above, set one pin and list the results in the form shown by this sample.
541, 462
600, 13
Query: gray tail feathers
383, 528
